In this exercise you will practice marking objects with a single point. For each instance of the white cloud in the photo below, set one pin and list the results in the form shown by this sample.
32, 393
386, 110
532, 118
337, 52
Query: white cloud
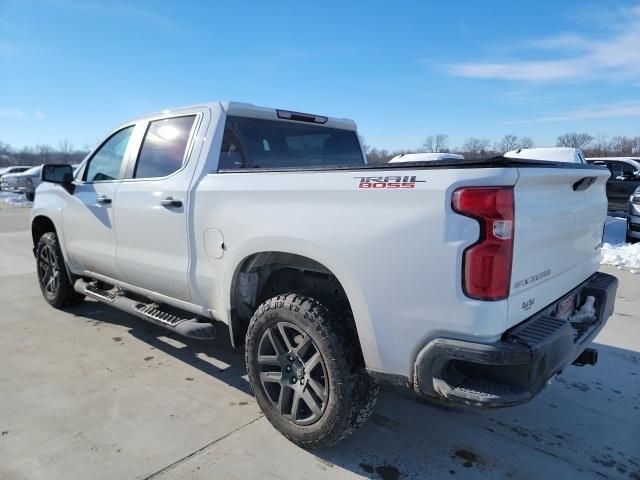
12, 113
613, 56
39, 115
614, 110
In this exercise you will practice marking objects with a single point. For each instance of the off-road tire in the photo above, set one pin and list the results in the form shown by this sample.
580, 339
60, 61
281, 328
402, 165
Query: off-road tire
352, 393
63, 295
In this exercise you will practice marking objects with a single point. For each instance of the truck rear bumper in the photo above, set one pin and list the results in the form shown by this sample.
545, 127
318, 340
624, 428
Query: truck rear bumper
516, 368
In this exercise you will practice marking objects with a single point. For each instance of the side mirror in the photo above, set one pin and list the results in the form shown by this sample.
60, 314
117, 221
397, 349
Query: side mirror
61, 174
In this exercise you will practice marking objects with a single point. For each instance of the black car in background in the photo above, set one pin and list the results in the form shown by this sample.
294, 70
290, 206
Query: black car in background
624, 179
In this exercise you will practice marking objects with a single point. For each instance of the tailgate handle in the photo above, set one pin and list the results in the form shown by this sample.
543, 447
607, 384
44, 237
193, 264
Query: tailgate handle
583, 183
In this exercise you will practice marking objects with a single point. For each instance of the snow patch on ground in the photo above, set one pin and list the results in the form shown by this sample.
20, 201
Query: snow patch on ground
14, 199
615, 251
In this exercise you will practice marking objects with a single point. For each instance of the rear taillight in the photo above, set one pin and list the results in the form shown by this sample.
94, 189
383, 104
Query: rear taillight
487, 263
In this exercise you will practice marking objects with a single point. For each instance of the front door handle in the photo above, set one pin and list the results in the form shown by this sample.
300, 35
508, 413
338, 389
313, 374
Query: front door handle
103, 200
171, 202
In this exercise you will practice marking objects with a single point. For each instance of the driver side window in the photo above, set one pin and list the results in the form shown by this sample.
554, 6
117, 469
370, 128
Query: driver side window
106, 162
615, 168
628, 170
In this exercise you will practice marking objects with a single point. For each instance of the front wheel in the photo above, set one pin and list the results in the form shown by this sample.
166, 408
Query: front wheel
53, 278
307, 372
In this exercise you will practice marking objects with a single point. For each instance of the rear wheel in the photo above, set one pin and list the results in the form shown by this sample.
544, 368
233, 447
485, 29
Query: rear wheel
30, 196
53, 278
306, 371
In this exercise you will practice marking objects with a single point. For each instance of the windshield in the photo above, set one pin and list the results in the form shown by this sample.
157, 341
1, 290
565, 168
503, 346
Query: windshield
257, 143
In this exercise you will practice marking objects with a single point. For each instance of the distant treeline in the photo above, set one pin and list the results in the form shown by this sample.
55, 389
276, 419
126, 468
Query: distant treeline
64, 153
598, 146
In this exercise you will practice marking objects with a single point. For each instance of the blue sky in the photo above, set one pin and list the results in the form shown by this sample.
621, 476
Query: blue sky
402, 70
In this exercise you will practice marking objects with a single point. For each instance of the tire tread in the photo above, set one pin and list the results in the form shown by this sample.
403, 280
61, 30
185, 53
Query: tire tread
358, 389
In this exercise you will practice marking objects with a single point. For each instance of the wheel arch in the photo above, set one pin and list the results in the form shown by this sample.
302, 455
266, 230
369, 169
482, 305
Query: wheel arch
261, 275
40, 225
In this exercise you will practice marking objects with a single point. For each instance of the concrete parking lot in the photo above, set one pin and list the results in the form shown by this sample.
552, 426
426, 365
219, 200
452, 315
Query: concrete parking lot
94, 393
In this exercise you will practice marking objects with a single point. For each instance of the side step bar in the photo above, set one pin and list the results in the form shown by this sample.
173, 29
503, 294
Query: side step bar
189, 327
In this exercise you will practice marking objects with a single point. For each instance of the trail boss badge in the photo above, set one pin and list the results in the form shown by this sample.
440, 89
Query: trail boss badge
394, 181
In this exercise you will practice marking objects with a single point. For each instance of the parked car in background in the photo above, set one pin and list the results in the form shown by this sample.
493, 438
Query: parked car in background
633, 217
624, 179
556, 154
10, 170
425, 157
26, 182
9, 182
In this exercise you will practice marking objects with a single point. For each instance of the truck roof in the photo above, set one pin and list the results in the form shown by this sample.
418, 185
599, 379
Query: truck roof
243, 109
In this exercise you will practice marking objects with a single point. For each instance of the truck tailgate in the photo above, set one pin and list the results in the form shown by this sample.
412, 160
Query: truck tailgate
559, 219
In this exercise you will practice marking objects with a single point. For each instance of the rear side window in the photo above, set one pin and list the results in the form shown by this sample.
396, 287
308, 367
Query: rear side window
105, 163
164, 146
257, 143
617, 168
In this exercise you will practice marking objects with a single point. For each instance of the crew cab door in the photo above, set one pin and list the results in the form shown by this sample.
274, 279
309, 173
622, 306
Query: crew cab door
152, 205
88, 220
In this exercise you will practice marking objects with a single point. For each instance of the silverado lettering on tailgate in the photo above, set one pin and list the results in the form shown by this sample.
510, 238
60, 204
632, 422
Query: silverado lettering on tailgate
531, 279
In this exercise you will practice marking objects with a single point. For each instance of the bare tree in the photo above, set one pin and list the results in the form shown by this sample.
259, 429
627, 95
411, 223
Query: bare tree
65, 148
375, 155
574, 140
508, 142
39, 154
436, 143
525, 142
365, 146
475, 147
600, 147
622, 146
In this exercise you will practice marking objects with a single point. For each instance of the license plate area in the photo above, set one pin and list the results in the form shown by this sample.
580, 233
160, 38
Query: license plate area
565, 308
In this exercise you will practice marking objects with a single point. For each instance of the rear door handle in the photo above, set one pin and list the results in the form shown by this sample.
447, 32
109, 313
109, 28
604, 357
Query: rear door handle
171, 202
103, 200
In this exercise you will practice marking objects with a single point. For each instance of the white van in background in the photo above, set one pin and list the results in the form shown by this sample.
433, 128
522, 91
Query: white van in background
556, 154
425, 157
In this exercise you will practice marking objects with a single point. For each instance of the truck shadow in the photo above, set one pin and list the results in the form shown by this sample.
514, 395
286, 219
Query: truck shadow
584, 425
187, 350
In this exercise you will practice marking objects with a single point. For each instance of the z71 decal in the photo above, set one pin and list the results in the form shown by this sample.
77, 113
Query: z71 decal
394, 181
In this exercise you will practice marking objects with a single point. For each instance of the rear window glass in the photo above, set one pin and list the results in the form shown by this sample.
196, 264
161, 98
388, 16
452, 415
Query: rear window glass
257, 143
164, 146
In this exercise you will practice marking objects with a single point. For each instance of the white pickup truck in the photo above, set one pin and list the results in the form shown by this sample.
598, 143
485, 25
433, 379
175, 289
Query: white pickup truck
473, 281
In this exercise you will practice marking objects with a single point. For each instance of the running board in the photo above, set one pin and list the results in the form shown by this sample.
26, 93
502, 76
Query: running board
151, 312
